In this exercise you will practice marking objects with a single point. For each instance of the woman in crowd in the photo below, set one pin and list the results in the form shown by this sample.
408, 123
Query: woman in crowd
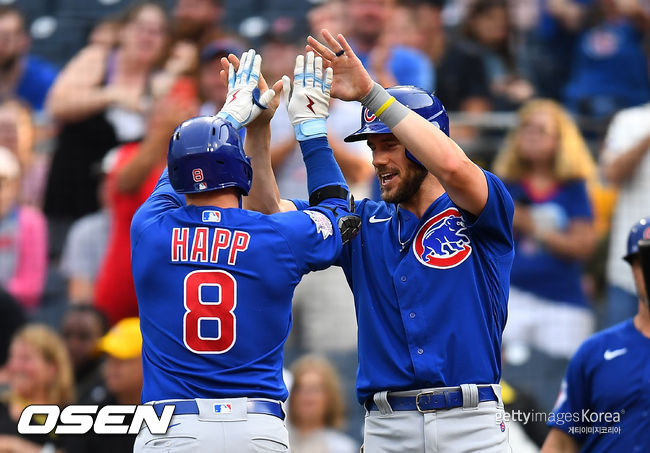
23, 238
316, 409
488, 28
101, 99
547, 168
39, 372
18, 134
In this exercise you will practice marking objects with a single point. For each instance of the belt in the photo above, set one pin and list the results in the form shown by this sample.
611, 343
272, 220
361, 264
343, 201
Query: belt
432, 401
185, 407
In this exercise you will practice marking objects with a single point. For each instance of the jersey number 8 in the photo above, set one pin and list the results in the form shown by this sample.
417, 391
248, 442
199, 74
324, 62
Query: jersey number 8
222, 311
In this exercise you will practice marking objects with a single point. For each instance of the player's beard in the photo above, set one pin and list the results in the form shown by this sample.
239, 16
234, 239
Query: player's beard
411, 179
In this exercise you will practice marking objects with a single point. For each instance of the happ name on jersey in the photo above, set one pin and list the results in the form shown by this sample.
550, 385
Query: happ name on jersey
207, 244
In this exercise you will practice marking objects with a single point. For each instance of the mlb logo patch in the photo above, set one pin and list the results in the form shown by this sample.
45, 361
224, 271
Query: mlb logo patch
502, 426
203, 186
223, 408
211, 216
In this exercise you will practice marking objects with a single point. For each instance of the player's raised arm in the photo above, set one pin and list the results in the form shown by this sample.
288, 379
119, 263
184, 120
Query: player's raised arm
463, 180
251, 104
308, 106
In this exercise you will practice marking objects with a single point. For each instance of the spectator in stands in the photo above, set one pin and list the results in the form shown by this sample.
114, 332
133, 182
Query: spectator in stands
21, 75
82, 327
23, 239
198, 21
123, 376
625, 162
84, 250
488, 28
39, 372
389, 64
101, 99
212, 90
609, 69
462, 83
547, 168
18, 134
129, 183
317, 409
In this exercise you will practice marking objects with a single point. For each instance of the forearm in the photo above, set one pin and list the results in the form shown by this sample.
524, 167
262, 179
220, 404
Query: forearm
577, 243
70, 105
559, 442
618, 168
264, 195
151, 152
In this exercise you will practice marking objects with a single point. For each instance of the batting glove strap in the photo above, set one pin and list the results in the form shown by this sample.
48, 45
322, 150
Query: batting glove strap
310, 129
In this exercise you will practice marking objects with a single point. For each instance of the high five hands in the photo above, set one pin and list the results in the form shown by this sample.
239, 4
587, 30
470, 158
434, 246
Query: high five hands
351, 80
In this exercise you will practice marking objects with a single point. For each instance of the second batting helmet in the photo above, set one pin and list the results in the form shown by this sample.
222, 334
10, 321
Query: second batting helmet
420, 101
205, 153
640, 230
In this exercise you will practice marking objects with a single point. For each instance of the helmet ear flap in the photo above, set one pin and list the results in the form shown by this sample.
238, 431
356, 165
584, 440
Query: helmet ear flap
412, 158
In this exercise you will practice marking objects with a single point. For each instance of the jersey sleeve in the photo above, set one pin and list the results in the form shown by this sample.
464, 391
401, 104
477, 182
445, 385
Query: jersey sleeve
313, 236
494, 223
163, 198
573, 398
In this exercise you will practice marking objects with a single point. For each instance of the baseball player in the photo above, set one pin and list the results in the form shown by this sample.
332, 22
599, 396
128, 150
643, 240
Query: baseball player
429, 272
604, 402
214, 282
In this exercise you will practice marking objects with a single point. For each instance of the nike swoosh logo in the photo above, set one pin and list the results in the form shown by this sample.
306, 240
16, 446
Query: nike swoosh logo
609, 355
373, 219
171, 426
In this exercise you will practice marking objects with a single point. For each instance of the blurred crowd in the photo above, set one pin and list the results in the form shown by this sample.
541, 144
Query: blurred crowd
553, 96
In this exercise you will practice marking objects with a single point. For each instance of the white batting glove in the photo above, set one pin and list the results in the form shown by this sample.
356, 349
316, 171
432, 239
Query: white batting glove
243, 101
308, 98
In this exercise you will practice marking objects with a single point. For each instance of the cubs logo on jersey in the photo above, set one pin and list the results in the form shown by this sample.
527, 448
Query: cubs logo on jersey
442, 241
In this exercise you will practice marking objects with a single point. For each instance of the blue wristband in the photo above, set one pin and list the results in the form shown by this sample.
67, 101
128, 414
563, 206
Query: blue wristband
310, 129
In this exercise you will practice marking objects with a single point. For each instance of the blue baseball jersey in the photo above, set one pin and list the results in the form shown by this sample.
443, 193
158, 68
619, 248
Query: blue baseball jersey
431, 293
535, 267
214, 290
604, 403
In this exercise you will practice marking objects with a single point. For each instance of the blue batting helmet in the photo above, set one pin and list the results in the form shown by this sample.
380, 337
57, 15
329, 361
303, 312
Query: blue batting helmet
640, 230
420, 101
205, 153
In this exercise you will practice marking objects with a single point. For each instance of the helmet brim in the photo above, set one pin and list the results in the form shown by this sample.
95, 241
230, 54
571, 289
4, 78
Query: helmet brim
368, 129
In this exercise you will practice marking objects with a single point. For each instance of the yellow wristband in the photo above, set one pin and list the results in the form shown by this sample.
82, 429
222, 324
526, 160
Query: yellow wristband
387, 104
